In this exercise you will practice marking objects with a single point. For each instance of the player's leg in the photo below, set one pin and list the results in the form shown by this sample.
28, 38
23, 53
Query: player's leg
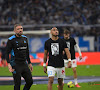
5, 63
60, 76
75, 75
17, 81
50, 82
74, 65
17, 78
4, 60
26, 74
51, 75
60, 82
66, 66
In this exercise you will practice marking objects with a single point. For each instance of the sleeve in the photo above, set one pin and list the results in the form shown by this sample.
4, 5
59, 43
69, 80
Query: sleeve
65, 44
8, 50
79, 51
45, 46
27, 54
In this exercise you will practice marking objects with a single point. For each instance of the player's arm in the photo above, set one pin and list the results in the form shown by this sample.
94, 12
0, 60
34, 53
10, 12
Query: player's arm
63, 52
67, 53
68, 56
28, 58
45, 56
45, 60
79, 51
8, 50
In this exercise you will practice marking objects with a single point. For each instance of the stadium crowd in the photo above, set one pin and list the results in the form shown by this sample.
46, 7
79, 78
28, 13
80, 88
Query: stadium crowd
73, 12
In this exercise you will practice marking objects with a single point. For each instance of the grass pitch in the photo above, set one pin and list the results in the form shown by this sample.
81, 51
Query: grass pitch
92, 70
84, 86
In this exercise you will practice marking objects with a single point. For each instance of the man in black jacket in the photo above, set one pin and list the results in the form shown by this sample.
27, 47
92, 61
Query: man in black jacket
17, 45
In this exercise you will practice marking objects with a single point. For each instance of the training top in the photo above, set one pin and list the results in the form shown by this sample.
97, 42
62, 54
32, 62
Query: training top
55, 49
70, 44
18, 46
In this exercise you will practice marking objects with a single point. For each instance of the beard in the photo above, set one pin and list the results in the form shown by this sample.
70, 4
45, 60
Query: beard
19, 34
55, 35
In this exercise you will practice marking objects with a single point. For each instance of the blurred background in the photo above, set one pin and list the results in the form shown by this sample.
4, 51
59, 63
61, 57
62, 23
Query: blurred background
81, 17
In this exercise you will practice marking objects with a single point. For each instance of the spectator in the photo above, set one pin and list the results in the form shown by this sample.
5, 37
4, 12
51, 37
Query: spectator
49, 11
3, 49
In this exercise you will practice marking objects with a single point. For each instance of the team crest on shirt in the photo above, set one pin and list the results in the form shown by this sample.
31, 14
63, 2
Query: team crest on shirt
24, 41
55, 48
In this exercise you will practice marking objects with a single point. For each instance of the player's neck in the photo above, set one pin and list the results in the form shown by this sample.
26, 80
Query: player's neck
54, 38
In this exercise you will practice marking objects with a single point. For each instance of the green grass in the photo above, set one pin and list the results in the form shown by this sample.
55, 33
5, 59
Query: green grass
84, 86
92, 70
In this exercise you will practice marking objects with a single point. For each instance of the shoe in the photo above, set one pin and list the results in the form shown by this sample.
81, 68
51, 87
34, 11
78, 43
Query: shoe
77, 86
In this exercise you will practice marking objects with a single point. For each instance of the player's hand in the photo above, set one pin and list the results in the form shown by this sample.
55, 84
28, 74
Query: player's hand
69, 64
80, 57
45, 69
31, 67
10, 68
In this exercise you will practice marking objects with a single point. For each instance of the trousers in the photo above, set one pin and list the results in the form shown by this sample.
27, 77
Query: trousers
22, 70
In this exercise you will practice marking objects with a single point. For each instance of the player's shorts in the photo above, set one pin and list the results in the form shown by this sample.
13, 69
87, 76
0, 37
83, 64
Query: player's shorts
59, 71
73, 62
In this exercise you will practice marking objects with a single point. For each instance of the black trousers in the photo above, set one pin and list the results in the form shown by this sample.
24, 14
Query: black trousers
22, 70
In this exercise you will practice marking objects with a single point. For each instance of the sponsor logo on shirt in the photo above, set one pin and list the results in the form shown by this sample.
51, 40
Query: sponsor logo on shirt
21, 48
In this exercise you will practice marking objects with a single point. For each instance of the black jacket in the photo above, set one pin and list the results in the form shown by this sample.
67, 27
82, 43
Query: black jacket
19, 47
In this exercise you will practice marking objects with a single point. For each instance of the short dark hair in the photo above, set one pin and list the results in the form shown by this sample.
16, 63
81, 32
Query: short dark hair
16, 25
66, 31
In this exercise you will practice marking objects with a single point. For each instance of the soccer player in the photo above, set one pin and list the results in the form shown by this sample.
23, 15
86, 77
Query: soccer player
70, 44
18, 45
55, 46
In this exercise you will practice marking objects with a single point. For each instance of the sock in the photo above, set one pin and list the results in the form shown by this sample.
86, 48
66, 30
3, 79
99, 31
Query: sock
75, 79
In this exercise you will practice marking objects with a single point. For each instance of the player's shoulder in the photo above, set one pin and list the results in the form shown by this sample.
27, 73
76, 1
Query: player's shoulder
71, 38
48, 40
24, 36
12, 37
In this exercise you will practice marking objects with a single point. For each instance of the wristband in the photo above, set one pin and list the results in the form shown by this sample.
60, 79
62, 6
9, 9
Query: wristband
69, 59
44, 64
